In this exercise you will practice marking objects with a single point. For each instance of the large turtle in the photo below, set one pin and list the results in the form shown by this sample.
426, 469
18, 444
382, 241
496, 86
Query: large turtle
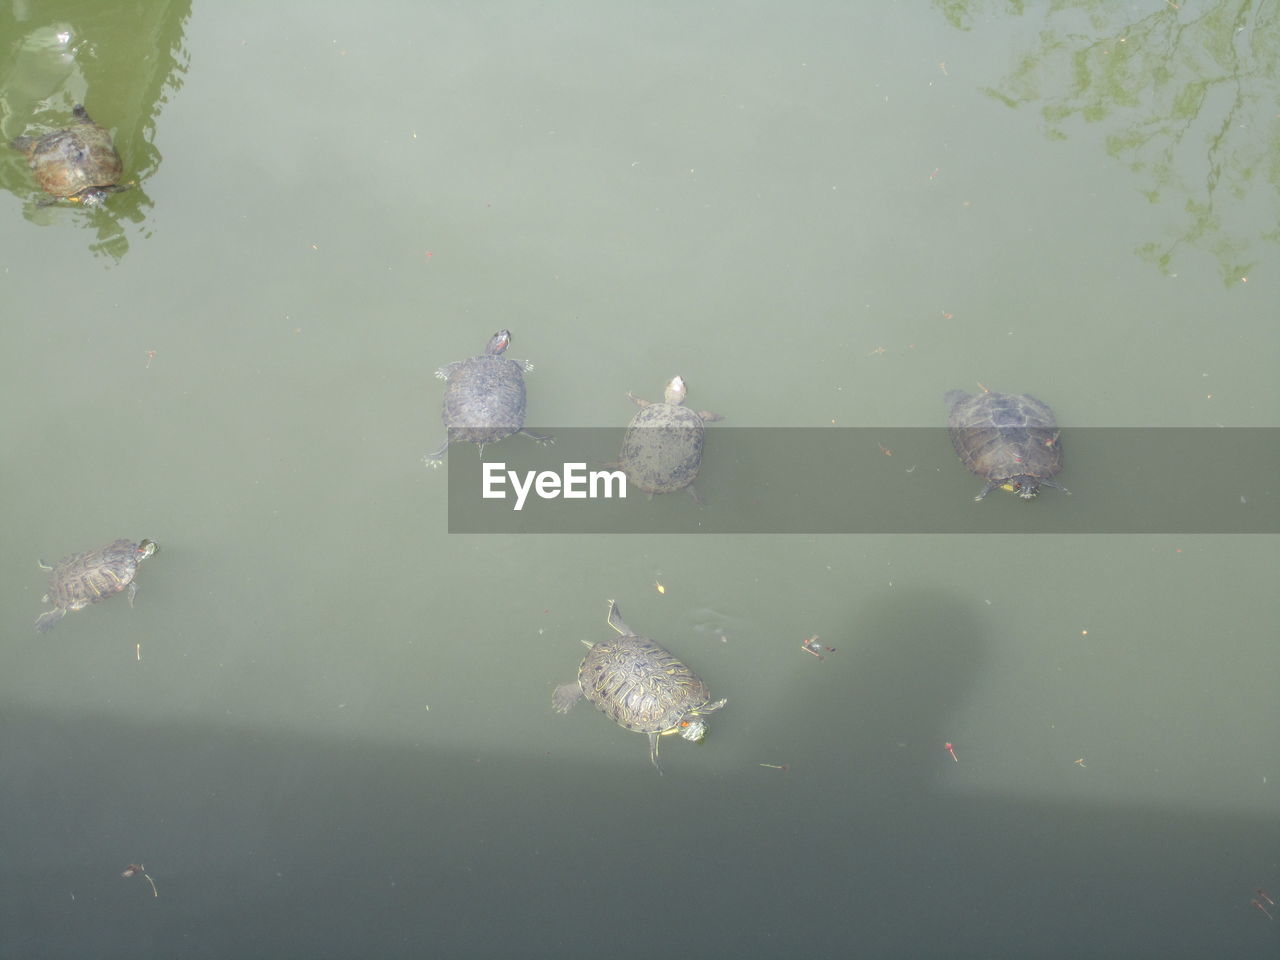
79, 164
91, 577
641, 685
1009, 440
483, 398
662, 448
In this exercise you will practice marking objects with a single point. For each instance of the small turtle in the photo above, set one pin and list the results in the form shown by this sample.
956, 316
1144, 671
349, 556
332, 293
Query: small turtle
79, 164
1009, 440
484, 399
662, 448
641, 685
91, 577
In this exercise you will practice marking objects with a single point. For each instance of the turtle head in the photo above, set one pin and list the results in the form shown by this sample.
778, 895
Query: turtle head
498, 342
1028, 488
676, 390
693, 728
147, 548
94, 196
693, 725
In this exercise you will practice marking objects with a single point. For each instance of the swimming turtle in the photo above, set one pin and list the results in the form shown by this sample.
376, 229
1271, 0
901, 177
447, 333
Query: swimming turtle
662, 448
92, 576
641, 685
79, 164
1009, 440
484, 398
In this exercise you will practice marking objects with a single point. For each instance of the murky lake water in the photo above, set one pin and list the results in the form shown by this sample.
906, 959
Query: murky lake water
325, 727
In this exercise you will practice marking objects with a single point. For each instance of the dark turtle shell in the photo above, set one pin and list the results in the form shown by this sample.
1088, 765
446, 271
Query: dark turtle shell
662, 448
484, 398
641, 686
91, 577
1009, 440
79, 163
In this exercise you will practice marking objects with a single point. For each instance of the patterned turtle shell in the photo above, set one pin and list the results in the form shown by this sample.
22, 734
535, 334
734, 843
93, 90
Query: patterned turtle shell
641, 686
91, 577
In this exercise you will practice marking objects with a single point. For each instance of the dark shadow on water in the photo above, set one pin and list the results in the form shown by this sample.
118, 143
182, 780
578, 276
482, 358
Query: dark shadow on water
279, 845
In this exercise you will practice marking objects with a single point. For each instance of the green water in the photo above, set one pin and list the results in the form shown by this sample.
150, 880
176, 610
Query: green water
325, 726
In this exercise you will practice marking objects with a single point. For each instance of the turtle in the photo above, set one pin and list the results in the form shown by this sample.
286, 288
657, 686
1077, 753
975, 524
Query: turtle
79, 163
641, 685
484, 399
92, 576
1009, 440
662, 448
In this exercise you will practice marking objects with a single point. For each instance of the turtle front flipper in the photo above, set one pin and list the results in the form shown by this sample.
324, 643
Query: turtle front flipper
653, 752
436, 456
49, 619
543, 438
991, 485
1046, 482
615, 620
